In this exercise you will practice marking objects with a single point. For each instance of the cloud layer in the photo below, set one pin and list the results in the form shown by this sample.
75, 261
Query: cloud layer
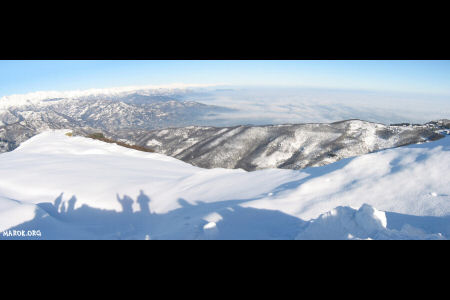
288, 105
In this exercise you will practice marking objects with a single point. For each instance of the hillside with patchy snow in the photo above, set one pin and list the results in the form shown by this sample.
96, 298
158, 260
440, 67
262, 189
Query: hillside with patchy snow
59, 187
289, 146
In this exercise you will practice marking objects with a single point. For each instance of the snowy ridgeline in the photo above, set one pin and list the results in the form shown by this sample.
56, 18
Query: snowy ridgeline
290, 146
47, 97
59, 187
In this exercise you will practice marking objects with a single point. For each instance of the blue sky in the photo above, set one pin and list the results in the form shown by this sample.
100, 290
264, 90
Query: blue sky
428, 77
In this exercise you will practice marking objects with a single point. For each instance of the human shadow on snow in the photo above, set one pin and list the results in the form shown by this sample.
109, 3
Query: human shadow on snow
218, 220
224, 220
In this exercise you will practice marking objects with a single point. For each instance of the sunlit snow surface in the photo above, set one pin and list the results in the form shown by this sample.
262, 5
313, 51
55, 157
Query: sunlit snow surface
78, 188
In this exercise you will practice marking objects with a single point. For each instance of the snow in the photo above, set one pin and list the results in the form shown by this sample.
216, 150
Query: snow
363, 223
78, 188
14, 212
154, 142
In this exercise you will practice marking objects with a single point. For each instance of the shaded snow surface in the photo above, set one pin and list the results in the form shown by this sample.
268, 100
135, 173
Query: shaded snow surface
78, 188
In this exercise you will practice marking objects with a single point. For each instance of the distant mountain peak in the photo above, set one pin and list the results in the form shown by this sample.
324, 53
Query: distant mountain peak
40, 97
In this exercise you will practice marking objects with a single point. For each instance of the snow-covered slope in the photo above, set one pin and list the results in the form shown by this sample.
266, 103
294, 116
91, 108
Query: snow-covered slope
72, 187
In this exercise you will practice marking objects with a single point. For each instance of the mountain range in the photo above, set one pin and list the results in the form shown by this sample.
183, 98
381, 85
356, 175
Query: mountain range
164, 121
157, 164
290, 146
19, 122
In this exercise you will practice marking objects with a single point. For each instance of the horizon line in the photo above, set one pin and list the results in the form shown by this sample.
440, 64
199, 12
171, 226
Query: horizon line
45, 94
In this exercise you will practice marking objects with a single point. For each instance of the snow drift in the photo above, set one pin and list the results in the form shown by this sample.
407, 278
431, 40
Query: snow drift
78, 188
